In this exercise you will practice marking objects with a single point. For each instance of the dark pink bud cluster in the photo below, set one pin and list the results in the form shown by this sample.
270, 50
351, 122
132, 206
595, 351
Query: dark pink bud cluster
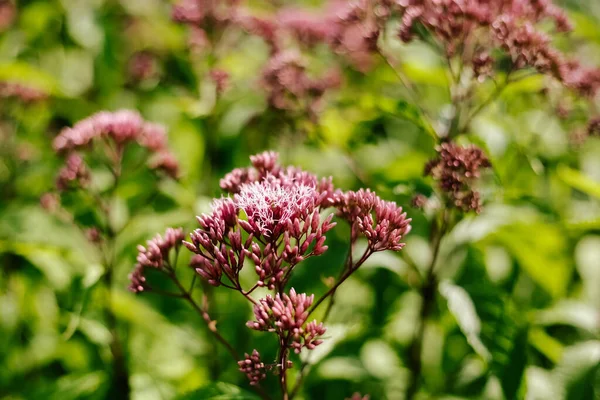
418, 201
206, 19
265, 28
308, 28
220, 79
382, 222
143, 66
120, 127
474, 28
593, 127
154, 256
197, 12
585, 80
13, 90
456, 169
286, 315
74, 173
358, 25
358, 396
289, 87
8, 12
253, 367
50, 202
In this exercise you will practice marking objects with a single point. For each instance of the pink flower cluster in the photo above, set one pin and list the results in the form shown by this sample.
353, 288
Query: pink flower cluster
593, 128
154, 256
474, 28
456, 169
119, 127
8, 10
358, 396
74, 172
143, 66
24, 93
253, 367
273, 218
382, 222
280, 207
290, 88
286, 315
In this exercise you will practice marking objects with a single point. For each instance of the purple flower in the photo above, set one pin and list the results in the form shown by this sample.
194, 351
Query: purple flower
593, 127
220, 78
143, 66
14, 90
382, 222
155, 255
358, 396
288, 85
74, 173
510, 26
279, 205
121, 128
253, 367
456, 169
286, 315
8, 11
271, 205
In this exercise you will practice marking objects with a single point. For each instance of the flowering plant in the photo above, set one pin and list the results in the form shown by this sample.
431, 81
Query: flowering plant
273, 220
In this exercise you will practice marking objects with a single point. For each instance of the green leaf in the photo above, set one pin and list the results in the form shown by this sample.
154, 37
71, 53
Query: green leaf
29, 75
49, 260
571, 312
221, 391
577, 371
503, 331
546, 344
579, 181
541, 251
412, 113
462, 308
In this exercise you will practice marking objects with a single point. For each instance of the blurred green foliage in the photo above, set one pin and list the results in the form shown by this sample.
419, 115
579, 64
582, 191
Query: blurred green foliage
518, 314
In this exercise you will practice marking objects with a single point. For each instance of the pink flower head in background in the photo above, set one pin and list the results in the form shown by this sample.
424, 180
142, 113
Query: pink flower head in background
220, 79
24, 93
456, 169
74, 173
8, 11
121, 128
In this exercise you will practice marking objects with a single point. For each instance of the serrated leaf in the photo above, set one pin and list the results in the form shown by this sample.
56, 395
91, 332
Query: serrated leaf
219, 391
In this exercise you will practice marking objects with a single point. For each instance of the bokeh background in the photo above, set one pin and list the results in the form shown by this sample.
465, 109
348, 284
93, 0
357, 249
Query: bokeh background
518, 314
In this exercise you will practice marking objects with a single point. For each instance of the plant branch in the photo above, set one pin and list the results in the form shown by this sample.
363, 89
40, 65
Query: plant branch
212, 325
428, 291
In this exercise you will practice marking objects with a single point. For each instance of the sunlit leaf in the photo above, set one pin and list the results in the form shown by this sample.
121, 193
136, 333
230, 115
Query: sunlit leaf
463, 309
579, 181
219, 391
577, 371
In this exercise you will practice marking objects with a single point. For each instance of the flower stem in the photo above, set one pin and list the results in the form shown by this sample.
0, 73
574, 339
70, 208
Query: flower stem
210, 324
428, 292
